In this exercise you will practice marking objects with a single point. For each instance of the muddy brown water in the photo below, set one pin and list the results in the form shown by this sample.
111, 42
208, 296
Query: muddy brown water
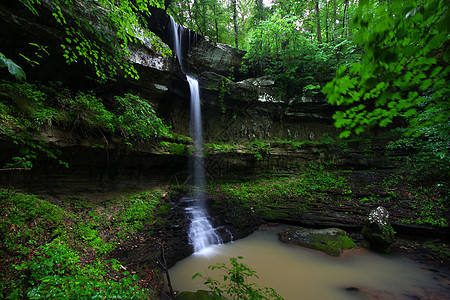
298, 273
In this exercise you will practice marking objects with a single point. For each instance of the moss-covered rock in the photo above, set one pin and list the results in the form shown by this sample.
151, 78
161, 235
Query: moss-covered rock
332, 241
378, 232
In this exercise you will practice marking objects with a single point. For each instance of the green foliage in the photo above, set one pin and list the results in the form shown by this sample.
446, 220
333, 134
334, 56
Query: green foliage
137, 118
27, 221
428, 160
56, 272
139, 208
214, 18
259, 148
299, 64
21, 162
223, 148
13, 68
92, 237
100, 35
27, 109
429, 211
235, 284
404, 69
88, 110
50, 251
174, 148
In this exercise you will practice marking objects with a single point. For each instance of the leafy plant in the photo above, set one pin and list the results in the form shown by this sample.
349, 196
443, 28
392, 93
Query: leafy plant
56, 272
101, 42
235, 282
89, 110
404, 62
13, 68
137, 118
223, 148
259, 148
174, 148
48, 251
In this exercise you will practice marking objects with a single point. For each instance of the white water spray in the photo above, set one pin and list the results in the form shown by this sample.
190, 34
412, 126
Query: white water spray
201, 232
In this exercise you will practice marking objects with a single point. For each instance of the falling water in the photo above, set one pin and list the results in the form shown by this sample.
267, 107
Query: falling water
197, 166
201, 233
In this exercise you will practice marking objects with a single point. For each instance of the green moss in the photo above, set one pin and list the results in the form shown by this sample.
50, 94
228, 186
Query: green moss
276, 198
223, 148
332, 241
164, 209
174, 148
335, 246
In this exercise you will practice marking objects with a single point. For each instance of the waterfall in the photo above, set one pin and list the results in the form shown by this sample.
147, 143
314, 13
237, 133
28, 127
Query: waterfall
201, 232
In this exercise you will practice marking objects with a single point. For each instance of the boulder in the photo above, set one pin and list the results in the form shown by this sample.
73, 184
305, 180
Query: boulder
378, 232
332, 241
211, 56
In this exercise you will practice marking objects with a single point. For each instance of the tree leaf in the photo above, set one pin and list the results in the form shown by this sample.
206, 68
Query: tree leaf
13, 68
344, 134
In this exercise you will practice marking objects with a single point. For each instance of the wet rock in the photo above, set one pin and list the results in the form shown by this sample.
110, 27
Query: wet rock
377, 231
366, 293
332, 241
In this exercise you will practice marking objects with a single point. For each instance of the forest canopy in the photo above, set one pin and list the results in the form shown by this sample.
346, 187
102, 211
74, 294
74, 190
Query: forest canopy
379, 60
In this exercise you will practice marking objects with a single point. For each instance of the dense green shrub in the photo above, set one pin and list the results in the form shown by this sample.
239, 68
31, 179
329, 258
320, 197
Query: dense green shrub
55, 271
136, 118
51, 251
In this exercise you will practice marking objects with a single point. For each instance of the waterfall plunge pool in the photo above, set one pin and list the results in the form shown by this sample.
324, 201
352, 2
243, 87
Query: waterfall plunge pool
298, 273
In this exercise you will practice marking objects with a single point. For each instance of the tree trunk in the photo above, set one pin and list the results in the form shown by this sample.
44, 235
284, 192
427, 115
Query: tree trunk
348, 18
326, 19
204, 20
319, 31
195, 17
216, 23
259, 10
343, 16
334, 20
234, 7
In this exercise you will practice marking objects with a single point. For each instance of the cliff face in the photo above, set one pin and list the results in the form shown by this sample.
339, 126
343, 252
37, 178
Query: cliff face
239, 111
